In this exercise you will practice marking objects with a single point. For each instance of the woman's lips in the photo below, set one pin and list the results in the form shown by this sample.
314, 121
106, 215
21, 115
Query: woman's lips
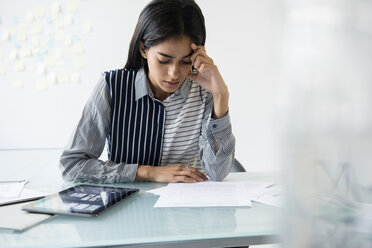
171, 84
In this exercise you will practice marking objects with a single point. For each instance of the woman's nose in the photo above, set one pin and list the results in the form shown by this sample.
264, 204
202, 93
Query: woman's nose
174, 71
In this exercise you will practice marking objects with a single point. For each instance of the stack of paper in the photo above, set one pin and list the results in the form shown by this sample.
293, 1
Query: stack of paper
26, 195
9, 189
11, 215
209, 194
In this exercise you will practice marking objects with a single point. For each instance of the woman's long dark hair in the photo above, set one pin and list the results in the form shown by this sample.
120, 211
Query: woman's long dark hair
164, 19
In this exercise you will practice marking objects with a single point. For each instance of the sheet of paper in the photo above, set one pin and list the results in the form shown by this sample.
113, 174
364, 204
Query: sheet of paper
273, 196
27, 194
204, 194
11, 189
13, 217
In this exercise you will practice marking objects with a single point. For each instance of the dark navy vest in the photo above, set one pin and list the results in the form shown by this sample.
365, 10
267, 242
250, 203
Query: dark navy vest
136, 126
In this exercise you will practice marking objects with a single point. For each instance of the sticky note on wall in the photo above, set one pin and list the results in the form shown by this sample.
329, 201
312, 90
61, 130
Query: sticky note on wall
79, 63
64, 78
39, 11
78, 48
19, 65
2, 69
72, 6
41, 84
5, 35
75, 77
25, 51
13, 54
56, 8
36, 28
17, 83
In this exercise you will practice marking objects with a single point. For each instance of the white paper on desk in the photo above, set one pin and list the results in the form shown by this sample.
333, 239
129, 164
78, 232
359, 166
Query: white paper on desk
273, 196
13, 217
11, 189
203, 194
26, 195
255, 189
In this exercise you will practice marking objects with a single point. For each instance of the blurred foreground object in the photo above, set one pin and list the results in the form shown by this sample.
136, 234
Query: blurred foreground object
327, 71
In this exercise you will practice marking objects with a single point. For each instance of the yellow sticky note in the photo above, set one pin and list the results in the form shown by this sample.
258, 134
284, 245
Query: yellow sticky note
30, 16
64, 78
17, 83
41, 84
39, 11
50, 61
56, 8
78, 47
55, 17
43, 43
75, 77
5, 35
2, 69
87, 27
25, 51
69, 20
13, 54
36, 28
59, 35
35, 51
41, 69
35, 41
68, 39
19, 65
22, 25
59, 62
59, 24
58, 53
72, 6
78, 63
52, 78
21, 35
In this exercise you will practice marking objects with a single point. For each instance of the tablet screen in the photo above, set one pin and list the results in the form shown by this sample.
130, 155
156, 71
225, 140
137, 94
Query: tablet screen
83, 200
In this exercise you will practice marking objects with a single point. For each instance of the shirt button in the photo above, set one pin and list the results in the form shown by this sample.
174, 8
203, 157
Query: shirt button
214, 125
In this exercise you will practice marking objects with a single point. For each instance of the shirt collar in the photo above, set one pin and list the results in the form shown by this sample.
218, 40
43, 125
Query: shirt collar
142, 86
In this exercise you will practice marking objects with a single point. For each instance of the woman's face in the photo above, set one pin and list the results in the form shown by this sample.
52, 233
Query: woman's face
169, 64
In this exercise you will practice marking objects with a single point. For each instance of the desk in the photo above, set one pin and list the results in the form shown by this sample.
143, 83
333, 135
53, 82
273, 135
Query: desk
134, 223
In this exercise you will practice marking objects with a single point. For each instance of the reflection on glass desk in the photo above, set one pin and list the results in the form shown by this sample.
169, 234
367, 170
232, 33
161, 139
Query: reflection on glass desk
135, 222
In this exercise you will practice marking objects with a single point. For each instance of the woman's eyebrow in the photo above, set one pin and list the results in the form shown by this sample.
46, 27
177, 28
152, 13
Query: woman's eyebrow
169, 56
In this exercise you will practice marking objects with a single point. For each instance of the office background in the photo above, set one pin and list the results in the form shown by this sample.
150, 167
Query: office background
295, 69
52, 53
299, 74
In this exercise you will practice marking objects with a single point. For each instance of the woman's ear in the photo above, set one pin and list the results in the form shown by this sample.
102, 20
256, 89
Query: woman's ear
142, 50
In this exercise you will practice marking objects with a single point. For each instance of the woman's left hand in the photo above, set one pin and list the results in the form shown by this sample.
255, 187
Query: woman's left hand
210, 79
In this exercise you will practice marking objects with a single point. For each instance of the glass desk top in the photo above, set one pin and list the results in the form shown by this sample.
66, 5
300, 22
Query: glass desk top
135, 222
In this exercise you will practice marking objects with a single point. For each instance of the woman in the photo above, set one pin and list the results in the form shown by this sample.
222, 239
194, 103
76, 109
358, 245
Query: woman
163, 120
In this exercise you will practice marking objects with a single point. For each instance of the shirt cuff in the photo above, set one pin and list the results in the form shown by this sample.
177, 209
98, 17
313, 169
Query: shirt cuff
220, 124
129, 173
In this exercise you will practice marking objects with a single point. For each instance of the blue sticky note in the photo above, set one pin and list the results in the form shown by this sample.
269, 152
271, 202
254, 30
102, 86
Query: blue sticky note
15, 19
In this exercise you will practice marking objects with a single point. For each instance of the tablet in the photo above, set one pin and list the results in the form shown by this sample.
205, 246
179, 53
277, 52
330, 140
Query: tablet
81, 200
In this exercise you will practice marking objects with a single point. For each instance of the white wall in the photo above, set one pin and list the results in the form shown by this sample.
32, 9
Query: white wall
242, 38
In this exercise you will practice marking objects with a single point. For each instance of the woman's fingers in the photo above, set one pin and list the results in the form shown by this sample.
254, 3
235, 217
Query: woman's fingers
184, 179
193, 174
199, 52
177, 173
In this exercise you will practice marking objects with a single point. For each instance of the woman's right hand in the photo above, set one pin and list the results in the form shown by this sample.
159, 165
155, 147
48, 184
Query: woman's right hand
170, 174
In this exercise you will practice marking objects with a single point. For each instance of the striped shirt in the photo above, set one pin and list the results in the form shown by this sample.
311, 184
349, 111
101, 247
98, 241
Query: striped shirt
141, 130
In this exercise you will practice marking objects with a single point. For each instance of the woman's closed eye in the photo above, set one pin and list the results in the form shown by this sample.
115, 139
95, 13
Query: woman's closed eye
168, 61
